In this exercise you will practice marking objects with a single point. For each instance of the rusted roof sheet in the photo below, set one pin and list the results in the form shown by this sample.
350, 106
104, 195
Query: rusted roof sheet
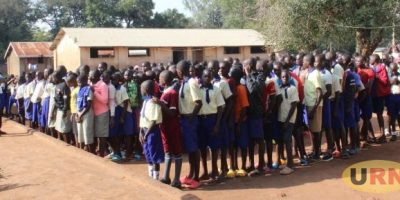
29, 49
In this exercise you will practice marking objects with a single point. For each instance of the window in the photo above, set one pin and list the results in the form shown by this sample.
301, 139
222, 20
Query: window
257, 49
232, 50
41, 60
102, 53
137, 52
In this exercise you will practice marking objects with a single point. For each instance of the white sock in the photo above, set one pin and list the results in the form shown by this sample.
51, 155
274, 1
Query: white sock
151, 169
156, 175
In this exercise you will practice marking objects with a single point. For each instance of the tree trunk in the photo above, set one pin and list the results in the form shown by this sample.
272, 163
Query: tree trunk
367, 41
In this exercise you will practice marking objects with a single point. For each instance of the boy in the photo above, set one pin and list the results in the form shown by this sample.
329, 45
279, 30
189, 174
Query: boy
19, 96
36, 99
170, 128
63, 123
209, 123
189, 107
73, 85
255, 83
288, 97
28, 91
394, 101
150, 136
43, 118
133, 93
101, 111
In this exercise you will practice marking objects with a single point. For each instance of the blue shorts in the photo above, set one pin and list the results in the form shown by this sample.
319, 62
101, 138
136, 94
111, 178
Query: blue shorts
326, 114
189, 132
153, 148
366, 107
357, 111
272, 130
227, 135
378, 104
242, 140
120, 129
256, 128
337, 121
349, 116
393, 105
205, 135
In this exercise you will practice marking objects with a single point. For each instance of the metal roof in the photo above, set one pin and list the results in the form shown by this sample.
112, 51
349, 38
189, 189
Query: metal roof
147, 37
29, 49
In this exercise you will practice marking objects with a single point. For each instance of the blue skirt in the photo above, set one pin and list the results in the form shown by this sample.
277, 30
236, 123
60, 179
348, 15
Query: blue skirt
126, 128
44, 115
2, 100
153, 148
11, 102
28, 108
36, 112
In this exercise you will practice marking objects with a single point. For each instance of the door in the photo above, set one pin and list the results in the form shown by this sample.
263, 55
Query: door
197, 55
178, 54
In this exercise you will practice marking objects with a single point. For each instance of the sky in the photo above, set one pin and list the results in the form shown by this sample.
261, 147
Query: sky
161, 5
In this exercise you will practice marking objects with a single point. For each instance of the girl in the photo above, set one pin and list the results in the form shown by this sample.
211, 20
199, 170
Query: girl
62, 97
20, 99
51, 120
73, 85
84, 116
150, 137
43, 118
28, 91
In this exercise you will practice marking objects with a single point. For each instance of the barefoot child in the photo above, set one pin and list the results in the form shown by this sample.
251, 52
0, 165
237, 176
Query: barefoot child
170, 128
150, 136
84, 116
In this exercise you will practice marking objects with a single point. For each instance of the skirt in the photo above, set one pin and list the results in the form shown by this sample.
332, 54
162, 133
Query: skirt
35, 112
12, 105
127, 128
28, 108
102, 125
63, 124
153, 147
86, 128
51, 122
44, 115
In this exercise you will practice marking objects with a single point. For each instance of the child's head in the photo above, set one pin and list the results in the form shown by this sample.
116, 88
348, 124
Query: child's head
147, 88
47, 72
150, 75
393, 67
250, 64
236, 74
62, 70
182, 69
106, 76
207, 77
116, 79
224, 68
277, 68
82, 80
308, 61
84, 69
128, 75
71, 80
359, 61
94, 76
285, 75
39, 75
102, 67
319, 61
166, 78
213, 66
21, 80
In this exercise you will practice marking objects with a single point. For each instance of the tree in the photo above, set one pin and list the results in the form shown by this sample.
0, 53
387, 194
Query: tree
102, 13
135, 13
40, 35
170, 18
15, 21
311, 24
206, 13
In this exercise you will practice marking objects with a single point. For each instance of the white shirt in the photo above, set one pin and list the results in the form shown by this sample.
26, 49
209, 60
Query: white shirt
38, 92
336, 87
20, 91
121, 95
223, 86
338, 71
216, 100
29, 89
151, 112
111, 99
191, 92
289, 95
326, 80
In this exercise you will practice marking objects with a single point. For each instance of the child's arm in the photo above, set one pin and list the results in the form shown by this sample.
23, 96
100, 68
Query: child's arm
146, 133
85, 110
328, 90
336, 100
219, 117
124, 111
317, 102
293, 106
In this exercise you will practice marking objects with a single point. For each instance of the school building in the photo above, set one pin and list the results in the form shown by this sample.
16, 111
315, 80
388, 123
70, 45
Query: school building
123, 47
28, 56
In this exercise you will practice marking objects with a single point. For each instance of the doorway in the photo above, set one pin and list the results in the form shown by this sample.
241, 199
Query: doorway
178, 54
197, 54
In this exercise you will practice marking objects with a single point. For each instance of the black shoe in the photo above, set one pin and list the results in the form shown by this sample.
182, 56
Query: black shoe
165, 181
393, 138
176, 184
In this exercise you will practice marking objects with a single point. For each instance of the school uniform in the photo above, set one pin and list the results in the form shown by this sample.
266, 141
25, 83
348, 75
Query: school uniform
312, 82
226, 134
241, 102
337, 121
272, 123
211, 98
367, 76
51, 122
133, 94
326, 107
100, 109
86, 126
45, 105
12, 100
255, 84
153, 147
28, 91
170, 127
36, 100
380, 88
125, 128
189, 92
348, 98
393, 104
74, 108
62, 98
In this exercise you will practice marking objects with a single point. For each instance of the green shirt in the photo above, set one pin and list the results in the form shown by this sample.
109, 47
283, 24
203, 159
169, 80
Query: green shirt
133, 93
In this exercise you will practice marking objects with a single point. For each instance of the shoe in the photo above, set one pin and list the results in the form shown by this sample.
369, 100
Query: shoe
303, 162
387, 132
185, 180
327, 157
204, 177
249, 169
241, 173
311, 154
267, 170
231, 174
315, 157
286, 171
116, 158
336, 154
283, 161
165, 181
393, 138
275, 166
176, 184
345, 154
137, 157
193, 184
256, 172
352, 151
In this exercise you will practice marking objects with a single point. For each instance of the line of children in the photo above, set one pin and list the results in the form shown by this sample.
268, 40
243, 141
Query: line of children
223, 107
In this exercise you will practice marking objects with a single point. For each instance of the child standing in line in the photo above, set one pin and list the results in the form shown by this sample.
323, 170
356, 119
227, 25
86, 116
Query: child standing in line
63, 124
289, 98
170, 128
20, 99
12, 87
150, 136
85, 116
241, 126
28, 91
73, 85
51, 121
43, 118
394, 101
36, 99
133, 93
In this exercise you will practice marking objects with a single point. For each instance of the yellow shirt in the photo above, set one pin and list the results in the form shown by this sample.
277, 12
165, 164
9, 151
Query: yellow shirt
74, 95
312, 82
216, 100
151, 112
191, 92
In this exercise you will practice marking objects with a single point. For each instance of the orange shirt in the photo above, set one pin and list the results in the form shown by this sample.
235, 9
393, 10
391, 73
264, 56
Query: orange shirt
241, 101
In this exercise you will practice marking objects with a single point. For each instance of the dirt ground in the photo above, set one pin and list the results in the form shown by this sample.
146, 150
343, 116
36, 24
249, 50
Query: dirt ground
35, 166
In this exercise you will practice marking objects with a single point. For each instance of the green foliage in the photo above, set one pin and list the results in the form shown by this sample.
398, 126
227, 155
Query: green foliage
206, 13
101, 13
41, 35
135, 13
170, 18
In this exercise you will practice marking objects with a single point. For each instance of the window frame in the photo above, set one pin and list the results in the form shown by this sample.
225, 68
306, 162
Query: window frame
148, 53
97, 49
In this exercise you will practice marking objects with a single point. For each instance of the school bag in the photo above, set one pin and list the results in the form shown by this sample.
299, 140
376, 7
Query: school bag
255, 84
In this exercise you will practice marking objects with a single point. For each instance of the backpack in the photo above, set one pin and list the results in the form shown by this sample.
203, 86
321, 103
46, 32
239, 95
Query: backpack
255, 84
